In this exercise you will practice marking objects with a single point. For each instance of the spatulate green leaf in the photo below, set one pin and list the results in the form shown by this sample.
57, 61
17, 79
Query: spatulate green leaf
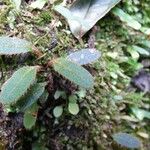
15, 87
145, 30
140, 113
134, 54
73, 72
30, 116
145, 43
17, 4
38, 4
127, 18
13, 45
84, 56
127, 140
73, 106
84, 14
141, 51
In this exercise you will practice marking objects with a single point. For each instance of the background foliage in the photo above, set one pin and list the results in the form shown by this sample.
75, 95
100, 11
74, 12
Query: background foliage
112, 106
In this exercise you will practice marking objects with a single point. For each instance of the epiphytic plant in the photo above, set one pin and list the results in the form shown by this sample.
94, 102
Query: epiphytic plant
21, 91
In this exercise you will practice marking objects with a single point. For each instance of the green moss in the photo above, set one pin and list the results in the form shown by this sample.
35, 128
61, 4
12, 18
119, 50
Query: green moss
44, 18
3, 15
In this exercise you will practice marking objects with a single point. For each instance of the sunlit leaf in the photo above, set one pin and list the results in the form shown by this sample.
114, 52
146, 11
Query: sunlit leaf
84, 56
11, 19
127, 140
118, 98
134, 54
81, 93
140, 113
84, 14
73, 108
145, 30
13, 45
145, 43
127, 18
17, 4
38, 4
73, 72
15, 87
141, 50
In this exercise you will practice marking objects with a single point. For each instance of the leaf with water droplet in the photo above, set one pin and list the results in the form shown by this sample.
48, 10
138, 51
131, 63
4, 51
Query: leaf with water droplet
84, 56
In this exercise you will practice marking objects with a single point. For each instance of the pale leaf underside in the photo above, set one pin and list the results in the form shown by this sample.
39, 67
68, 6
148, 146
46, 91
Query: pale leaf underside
84, 14
84, 56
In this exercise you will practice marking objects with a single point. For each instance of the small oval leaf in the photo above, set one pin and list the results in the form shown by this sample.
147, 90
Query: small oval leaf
15, 87
13, 45
57, 111
30, 116
84, 56
127, 140
73, 72
73, 108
